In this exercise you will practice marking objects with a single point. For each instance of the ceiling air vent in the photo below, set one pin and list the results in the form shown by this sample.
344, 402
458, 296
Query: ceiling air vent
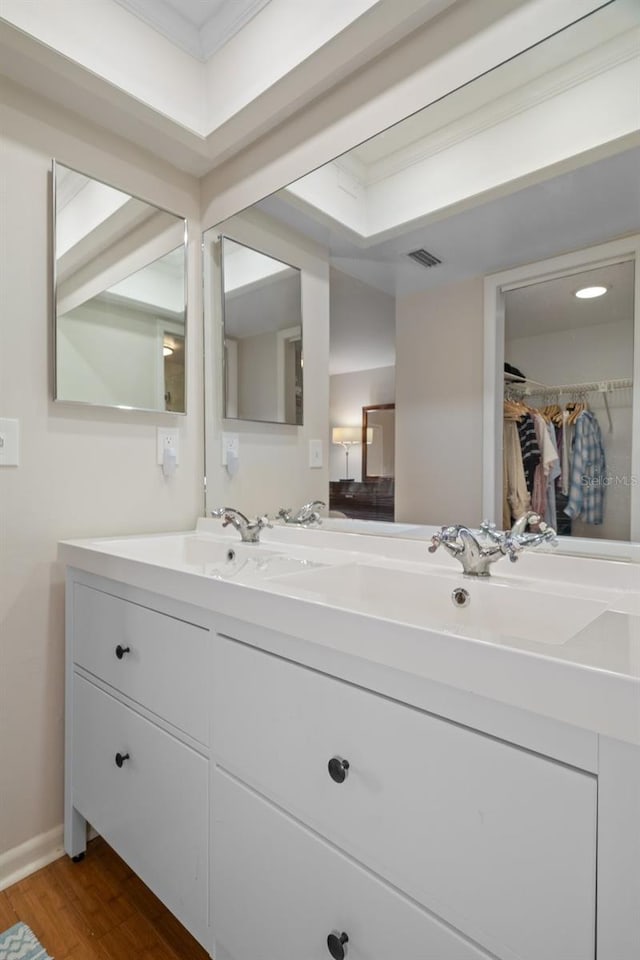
424, 258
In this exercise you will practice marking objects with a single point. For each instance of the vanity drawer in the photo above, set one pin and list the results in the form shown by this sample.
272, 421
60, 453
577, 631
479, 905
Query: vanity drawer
153, 809
498, 841
165, 667
279, 891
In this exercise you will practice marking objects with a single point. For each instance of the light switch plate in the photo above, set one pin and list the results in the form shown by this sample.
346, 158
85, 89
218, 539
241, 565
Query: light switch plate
9, 443
168, 439
315, 454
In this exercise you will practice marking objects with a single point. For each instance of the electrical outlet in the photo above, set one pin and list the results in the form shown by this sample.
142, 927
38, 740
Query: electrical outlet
315, 454
9, 443
167, 440
230, 444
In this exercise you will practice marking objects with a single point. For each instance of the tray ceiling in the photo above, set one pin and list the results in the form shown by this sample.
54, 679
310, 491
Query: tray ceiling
199, 27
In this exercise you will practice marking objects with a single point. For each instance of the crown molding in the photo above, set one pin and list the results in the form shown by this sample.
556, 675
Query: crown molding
167, 21
225, 23
227, 19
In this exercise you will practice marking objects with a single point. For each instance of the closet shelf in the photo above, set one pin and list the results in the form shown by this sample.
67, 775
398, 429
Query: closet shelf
537, 389
594, 386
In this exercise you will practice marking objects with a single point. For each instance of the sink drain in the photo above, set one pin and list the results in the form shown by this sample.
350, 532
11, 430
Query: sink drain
460, 597
231, 554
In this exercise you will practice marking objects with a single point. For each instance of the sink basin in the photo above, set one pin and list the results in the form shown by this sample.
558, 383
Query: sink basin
223, 559
424, 600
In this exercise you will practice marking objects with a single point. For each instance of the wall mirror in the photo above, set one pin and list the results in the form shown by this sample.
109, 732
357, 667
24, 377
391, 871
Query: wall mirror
262, 317
119, 297
503, 174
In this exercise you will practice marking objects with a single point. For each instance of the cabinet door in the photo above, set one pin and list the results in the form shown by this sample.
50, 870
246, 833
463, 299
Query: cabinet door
498, 841
279, 891
165, 664
153, 809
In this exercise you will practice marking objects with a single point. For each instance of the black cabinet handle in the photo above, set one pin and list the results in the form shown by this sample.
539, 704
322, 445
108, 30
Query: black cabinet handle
120, 758
338, 769
336, 946
120, 651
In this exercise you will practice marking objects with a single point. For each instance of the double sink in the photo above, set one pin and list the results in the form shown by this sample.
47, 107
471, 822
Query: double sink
419, 594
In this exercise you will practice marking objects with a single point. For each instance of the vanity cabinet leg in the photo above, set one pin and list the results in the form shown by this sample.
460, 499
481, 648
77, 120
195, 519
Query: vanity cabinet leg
75, 834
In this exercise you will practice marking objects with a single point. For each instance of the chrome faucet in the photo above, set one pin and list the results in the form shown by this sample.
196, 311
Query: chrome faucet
249, 530
305, 516
527, 519
477, 550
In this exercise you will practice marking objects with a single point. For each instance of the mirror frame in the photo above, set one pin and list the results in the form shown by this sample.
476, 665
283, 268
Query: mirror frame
54, 300
365, 423
225, 367
495, 286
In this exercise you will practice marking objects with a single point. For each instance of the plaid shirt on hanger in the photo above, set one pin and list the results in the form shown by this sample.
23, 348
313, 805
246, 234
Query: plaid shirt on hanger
588, 469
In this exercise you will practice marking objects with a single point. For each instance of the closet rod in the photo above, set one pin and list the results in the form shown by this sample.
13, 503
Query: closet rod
599, 386
534, 388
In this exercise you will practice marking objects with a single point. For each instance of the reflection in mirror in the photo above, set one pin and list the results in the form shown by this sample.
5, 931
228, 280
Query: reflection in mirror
503, 172
379, 441
120, 298
569, 345
262, 336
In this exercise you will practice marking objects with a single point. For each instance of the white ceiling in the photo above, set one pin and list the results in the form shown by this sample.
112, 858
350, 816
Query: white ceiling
589, 205
542, 308
110, 62
199, 27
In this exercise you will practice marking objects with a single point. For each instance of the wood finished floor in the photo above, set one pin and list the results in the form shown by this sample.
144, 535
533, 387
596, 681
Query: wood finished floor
96, 910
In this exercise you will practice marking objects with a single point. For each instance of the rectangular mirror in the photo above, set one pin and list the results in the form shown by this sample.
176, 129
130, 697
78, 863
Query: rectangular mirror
500, 178
378, 441
262, 316
119, 297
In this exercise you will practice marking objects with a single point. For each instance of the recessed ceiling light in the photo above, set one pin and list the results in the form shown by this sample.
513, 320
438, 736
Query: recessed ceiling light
588, 293
166, 351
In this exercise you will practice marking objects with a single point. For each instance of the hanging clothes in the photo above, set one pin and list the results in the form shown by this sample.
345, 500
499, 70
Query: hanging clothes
530, 449
548, 460
551, 509
566, 454
516, 499
588, 470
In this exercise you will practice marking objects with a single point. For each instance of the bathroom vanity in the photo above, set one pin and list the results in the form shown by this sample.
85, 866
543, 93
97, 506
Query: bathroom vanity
306, 750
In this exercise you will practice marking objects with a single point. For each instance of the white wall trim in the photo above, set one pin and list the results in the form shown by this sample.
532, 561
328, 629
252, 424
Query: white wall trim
617, 251
562, 78
32, 855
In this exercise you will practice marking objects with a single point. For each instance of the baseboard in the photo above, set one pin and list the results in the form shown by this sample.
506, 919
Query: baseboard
18, 863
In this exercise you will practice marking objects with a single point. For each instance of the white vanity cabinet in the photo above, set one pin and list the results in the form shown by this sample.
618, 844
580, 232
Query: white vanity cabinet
289, 800
137, 735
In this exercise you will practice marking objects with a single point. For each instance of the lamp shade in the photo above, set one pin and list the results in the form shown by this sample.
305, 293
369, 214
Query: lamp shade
346, 435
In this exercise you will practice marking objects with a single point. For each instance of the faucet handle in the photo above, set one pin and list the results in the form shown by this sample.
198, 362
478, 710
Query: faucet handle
436, 541
491, 531
264, 521
511, 547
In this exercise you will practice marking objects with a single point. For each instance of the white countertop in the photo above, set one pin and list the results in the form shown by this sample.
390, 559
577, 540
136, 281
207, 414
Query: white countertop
556, 635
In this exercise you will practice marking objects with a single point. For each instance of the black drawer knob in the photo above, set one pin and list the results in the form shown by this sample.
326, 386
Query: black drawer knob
336, 945
338, 769
120, 758
120, 651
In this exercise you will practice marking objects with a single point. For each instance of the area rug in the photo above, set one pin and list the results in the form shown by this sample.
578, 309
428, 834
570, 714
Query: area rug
20, 943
